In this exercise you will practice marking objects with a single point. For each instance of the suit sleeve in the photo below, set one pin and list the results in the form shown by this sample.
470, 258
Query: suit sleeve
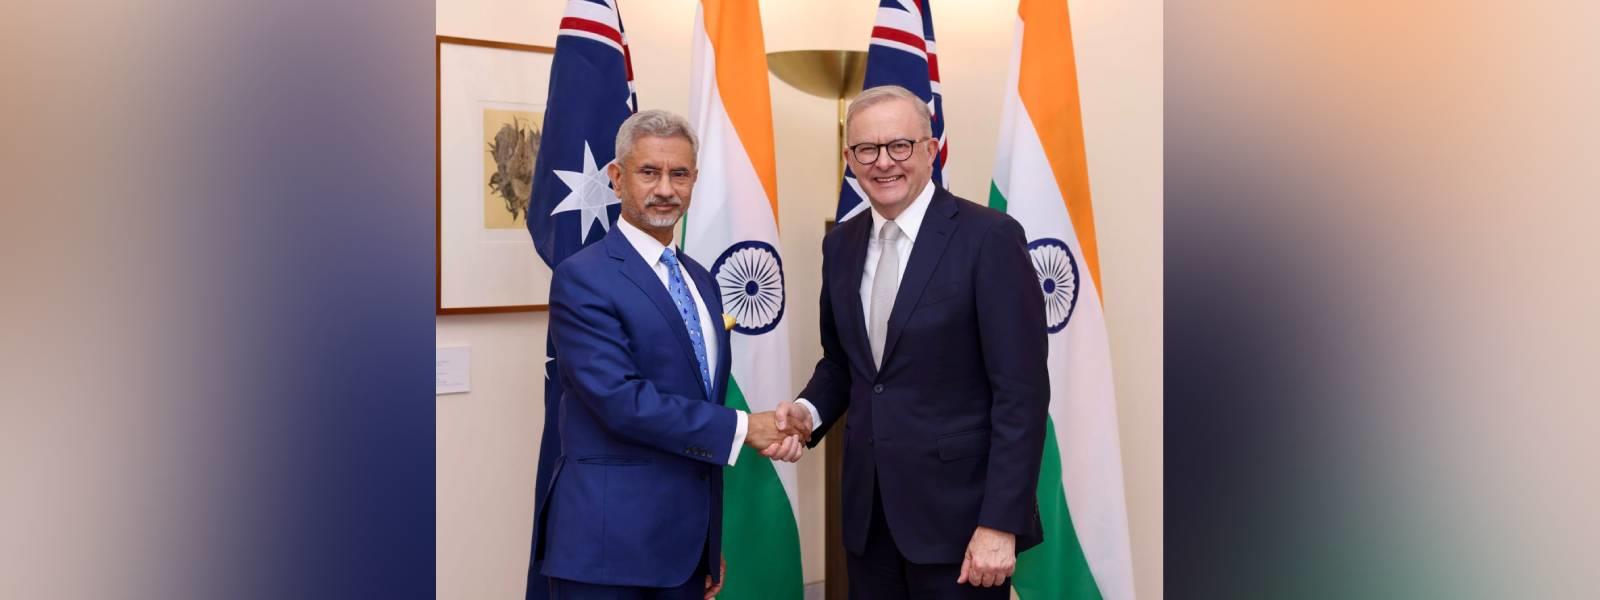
828, 391
1011, 329
601, 373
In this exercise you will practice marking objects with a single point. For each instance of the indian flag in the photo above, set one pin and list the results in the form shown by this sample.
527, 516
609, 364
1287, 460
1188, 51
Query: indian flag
1042, 179
732, 227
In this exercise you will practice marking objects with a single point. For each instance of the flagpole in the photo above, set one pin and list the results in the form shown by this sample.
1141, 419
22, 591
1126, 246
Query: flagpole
833, 74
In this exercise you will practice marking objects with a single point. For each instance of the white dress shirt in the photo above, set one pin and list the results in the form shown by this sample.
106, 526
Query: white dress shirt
650, 249
910, 222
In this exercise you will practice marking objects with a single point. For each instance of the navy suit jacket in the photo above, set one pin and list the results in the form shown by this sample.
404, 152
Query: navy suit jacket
636, 495
950, 432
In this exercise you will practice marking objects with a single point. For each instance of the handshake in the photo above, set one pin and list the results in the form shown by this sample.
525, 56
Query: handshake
782, 433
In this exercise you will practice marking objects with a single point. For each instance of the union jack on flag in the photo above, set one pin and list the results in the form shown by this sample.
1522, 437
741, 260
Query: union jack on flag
902, 53
572, 204
591, 94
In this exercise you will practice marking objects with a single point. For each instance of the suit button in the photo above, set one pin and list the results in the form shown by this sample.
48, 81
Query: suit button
872, 441
877, 389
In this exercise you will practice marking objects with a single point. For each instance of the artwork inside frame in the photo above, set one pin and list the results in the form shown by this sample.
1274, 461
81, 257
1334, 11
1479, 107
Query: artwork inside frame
490, 103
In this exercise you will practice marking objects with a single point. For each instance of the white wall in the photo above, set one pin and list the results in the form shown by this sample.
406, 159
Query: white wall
488, 439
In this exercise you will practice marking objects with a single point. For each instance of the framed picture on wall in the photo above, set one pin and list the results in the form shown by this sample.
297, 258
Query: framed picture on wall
490, 105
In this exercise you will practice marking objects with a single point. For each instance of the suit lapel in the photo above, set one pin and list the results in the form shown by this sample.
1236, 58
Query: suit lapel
853, 327
932, 238
637, 271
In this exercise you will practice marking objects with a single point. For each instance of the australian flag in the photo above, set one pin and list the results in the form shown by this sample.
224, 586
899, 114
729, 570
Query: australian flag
902, 53
572, 204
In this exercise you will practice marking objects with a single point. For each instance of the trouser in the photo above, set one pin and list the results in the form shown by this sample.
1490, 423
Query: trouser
883, 573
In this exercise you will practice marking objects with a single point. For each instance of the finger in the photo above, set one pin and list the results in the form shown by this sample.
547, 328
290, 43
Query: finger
782, 452
981, 576
788, 449
799, 451
712, 589
771, 450
783, 416
966, 565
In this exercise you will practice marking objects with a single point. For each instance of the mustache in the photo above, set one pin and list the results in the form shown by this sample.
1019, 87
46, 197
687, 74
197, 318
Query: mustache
663, 201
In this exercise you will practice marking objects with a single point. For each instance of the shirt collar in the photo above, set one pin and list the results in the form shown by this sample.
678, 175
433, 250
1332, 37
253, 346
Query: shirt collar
909, 220
648, 246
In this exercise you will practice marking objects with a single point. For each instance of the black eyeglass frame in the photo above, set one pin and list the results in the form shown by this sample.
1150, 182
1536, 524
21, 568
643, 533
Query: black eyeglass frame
876, 149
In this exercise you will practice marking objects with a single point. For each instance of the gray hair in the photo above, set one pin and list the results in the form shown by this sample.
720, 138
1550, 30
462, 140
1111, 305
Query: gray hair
653, 123
874, 96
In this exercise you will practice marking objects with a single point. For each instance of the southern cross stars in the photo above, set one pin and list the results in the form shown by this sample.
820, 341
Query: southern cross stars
590, 195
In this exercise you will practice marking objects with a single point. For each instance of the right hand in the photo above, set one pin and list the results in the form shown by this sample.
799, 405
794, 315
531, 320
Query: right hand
763, 434
794, 419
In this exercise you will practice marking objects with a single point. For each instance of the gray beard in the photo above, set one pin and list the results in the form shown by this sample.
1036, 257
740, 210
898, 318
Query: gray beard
657, 221
651, 219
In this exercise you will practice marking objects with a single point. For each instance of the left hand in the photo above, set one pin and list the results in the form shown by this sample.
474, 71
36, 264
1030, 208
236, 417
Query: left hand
991, 558
713, 589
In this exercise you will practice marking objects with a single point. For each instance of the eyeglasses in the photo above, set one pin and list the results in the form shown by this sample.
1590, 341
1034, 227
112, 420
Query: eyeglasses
899, 150
651, 175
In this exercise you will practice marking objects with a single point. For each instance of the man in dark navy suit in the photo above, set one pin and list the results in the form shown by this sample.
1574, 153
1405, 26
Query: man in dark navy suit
635, 502
933, 337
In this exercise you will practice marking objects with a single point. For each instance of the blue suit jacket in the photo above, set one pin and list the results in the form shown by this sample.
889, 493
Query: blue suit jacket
636, 495
951, 430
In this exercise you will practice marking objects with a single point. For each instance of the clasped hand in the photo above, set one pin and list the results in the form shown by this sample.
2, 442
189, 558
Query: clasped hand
782, 433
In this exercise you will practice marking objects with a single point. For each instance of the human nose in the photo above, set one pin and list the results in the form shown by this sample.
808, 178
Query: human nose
883, 160
662, 188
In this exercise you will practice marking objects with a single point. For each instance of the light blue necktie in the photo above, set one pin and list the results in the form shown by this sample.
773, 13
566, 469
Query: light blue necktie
690, 314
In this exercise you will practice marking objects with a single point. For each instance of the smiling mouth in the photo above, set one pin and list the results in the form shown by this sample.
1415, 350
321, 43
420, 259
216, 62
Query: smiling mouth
886, 180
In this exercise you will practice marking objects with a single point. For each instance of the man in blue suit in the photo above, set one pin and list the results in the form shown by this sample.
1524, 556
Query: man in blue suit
635, 501
933, 337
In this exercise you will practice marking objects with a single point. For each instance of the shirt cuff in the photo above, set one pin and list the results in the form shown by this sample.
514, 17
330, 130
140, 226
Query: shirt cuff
739, 431
816, 420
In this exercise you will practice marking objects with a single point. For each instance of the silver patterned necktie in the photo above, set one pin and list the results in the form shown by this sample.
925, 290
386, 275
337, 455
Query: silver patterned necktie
885, 282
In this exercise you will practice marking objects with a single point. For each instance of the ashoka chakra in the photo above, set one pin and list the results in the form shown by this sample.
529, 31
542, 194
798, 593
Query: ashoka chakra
749, 275
1058, 280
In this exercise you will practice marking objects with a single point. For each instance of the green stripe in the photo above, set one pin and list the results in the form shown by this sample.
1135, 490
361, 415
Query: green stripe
760, 540
1057, 567
997, 200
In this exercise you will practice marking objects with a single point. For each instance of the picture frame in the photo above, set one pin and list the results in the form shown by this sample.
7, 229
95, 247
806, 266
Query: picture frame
489, 110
